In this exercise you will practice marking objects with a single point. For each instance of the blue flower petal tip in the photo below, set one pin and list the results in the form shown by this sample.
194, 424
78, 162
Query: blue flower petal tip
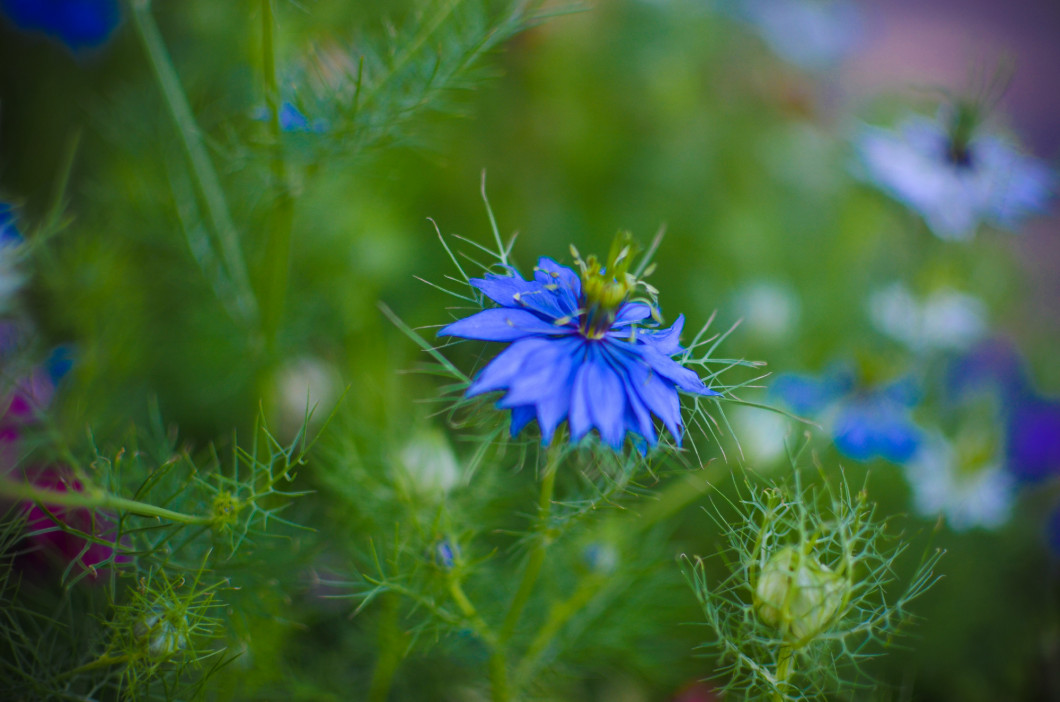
80, 24
570, 359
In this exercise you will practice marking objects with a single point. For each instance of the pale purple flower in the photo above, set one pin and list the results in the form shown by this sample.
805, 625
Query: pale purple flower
987, 181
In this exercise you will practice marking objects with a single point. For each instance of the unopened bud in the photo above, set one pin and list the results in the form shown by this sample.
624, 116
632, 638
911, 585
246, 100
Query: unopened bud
797, 594
446, 554
162, 631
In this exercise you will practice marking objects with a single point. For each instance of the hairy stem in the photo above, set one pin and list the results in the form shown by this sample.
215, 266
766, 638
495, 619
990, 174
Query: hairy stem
391, 647
540, 544
536, 559
94, 499
203, 173
785, 665
276, 263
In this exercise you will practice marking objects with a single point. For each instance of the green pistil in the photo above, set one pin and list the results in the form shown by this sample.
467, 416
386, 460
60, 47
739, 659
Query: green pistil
962, 126
605, 287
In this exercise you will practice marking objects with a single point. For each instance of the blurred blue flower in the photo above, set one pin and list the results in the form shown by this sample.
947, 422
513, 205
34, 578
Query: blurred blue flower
811, 34
864, 422
11, 278
955, 177
1032, 422
293, 120
1033, 438
9, 233
578, 352
446, 554
77, 23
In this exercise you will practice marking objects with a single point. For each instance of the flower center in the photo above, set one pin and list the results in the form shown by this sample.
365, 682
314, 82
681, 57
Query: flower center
961, 126
605, 287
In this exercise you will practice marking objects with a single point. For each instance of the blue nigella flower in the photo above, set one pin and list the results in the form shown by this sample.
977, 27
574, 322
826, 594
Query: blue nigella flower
1032, 422
79, 24
952, 174
864, 422
580, 351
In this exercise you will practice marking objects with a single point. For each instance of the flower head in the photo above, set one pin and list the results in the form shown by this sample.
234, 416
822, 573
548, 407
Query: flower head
953, 174
865, 422
946, 319
967, 484
581, 350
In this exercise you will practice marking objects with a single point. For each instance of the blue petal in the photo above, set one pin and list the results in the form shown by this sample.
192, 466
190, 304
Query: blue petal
607, 402
554, 406
665, 341
684, 378
505, 367
657, 395
568, 283
631, 312
1033, 439
804, 394
521, 416
867, 429
514, 292
580, 415
546, 371
503, 289
637, 414
501, 324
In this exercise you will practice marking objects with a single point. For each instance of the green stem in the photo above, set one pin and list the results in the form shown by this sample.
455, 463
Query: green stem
94, 499
785, 666
498, 655
675, 497
276, 263
499, 675
391, 647
204, 175
540, 544
679, 494
498, 660
559, 615
101, 662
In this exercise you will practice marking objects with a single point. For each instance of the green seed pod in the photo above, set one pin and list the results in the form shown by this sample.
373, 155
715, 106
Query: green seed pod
797, 594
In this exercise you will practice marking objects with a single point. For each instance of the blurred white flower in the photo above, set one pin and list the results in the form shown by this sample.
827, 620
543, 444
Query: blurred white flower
969, 492
429, 466
301, 385
954, 182
946, 319
762, 435
769, 309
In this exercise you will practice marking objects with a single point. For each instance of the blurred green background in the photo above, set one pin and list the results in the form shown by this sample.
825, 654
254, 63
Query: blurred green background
628, 115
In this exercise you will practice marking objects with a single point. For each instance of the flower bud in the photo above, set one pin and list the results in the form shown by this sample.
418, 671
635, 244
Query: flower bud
600, 558
446, 553
797, 594
429, 466
162, 631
